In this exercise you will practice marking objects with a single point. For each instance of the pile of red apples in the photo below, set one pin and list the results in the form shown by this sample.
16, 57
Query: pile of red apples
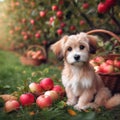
105, 66
36, 55
43, 94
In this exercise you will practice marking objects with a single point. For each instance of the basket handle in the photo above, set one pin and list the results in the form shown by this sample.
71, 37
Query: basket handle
104, 31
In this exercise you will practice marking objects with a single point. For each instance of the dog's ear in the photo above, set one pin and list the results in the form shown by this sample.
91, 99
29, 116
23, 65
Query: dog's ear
58, 47
93, 43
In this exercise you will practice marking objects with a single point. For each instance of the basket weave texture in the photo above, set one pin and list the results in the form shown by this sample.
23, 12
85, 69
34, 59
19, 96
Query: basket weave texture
112, 80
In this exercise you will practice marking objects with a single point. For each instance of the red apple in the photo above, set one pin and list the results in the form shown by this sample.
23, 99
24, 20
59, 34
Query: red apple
44, 42
99, 59
117, 63
42, 13
85, 6
42, 58
27, 99
59, 31
11, 105
11, 32
110, 3
109, 69
17, 3
51, 20
105, 68
109, 62
62, 25
59, 89
54, 7
32, 22
59, 14
38, 52
82, 22
44, 101
102, 8
37, 35
23, 33
72, 28
102, 66
35, 88
25, 37
52, 94
47, 83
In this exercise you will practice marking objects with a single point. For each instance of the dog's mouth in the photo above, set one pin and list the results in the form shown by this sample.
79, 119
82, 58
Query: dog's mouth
78, 62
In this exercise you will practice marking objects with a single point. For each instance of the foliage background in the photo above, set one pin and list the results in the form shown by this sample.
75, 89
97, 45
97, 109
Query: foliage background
75, 17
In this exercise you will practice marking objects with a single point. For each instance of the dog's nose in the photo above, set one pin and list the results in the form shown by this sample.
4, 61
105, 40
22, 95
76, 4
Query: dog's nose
77, 57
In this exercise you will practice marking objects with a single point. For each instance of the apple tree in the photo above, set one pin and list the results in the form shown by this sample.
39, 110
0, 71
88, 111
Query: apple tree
45, 21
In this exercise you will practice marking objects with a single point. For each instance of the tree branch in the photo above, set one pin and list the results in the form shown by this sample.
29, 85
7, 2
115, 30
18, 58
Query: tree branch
111, 14
90, 23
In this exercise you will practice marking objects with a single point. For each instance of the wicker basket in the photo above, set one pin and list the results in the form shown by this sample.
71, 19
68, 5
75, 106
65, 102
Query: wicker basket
112, 81
26, 60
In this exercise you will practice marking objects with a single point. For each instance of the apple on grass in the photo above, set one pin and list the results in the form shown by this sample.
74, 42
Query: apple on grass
59, 89
35, 88
27, 99
11, 105
47, 83
44, 101
52, 94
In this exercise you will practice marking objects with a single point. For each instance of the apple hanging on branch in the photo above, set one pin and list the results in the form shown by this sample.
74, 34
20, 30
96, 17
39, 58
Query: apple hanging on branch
104, 7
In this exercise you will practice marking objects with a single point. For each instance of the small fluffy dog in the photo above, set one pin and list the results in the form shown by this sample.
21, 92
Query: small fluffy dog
82, 84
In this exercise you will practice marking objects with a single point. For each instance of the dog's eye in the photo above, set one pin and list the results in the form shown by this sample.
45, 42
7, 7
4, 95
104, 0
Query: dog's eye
82, 47
69, 49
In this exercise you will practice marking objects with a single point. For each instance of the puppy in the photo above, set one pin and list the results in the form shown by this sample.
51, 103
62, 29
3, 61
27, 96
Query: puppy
82, 84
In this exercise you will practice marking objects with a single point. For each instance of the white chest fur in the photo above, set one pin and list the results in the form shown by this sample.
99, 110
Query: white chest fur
78, 82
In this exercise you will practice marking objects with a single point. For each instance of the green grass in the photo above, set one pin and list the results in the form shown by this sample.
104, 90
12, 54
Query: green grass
15, 78
14, 74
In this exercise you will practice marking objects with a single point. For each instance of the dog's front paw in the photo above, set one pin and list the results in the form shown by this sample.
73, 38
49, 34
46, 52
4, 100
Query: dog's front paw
70, 103
77, 107
89, 105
